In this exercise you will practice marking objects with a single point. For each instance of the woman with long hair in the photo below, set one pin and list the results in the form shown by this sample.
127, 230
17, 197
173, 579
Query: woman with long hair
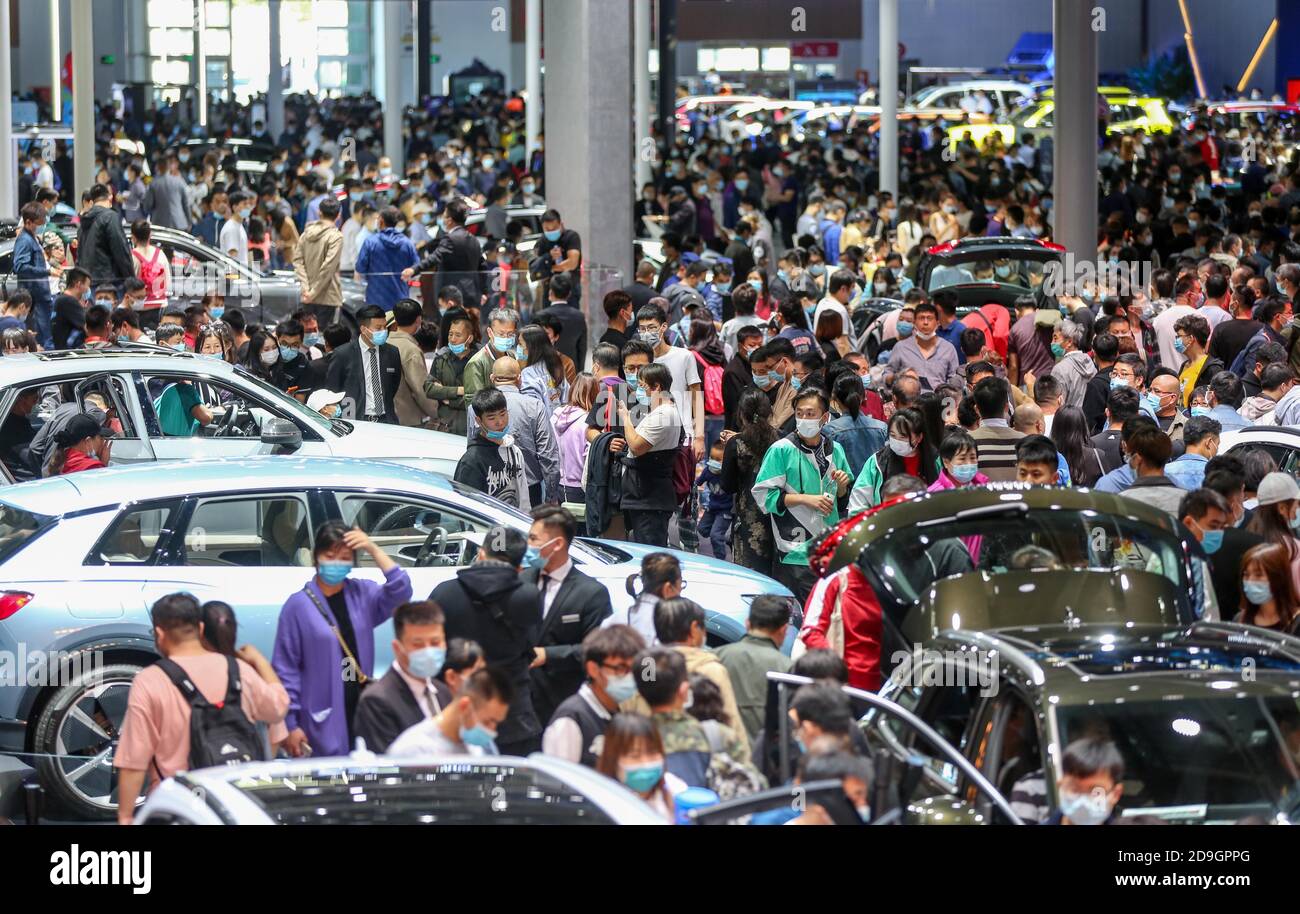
220, 633
1268, 590
859, 435
633, 754
216, 341
543, 374
570, 423
832, 336
1277, 516
1070, 435
908, 451
263, 360
752, 545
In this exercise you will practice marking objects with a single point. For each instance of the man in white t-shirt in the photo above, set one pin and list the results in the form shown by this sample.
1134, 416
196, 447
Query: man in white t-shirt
234, 236
687, 389
467, 726
653, 442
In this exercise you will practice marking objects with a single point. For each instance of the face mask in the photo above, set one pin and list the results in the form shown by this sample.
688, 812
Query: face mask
1200, 410
1295, 521
529, 188
124, 339
925, 336
642, 397
642, 778
313, 339
456, 348
520, 354
901, 447
796, 383
620, 688
808, 428
783, 276
649, 337
631, 380
478, 736
1179, 345
741, 183
288, 354
496, 436
1151, 401
1003, 271
503, 343
722, 286
1046, 204
552, 235
760, 381
756, 285
817, 269
533, 558
379, 337
963, 472
355, 197
1083, 809
1211, 540
904, 329
1257, 592
270, 357
715, 466
333, 573
426, 662
1058, 351
105, 302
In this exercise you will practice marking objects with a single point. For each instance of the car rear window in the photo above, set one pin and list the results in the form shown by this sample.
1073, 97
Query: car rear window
18, 527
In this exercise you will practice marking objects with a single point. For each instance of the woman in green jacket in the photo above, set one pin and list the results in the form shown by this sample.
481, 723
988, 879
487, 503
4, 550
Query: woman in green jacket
906, 452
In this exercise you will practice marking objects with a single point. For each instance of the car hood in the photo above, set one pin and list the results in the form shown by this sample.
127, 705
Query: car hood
381, 441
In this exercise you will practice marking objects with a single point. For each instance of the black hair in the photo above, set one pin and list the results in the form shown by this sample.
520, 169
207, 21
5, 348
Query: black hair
220, 628
462, 654
1198, 428
849, 391
991, 398
416, 612
611, 641
1122, 404
554, 517
769, 612
329, 535
406, 312
954, 442
505, 544
660, 672
822, 664
176, 613
487, 400
1227, 389
1085, 758
1036, 449
825, 705
673, 619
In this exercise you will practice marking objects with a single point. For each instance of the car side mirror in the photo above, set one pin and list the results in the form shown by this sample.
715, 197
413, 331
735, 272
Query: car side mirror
282, 434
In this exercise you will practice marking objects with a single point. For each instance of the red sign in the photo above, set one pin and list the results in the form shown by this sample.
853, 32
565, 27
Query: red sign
814, 50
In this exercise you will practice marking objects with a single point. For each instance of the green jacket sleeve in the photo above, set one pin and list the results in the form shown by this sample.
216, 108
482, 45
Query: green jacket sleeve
770, 481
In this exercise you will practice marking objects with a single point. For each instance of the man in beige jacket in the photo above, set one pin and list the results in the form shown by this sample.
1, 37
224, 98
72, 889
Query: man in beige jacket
413, 407
316, 264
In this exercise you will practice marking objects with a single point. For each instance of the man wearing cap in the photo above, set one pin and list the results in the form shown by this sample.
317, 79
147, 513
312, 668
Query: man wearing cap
325, 402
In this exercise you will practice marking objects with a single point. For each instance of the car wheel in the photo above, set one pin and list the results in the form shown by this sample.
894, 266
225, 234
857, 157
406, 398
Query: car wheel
76, 736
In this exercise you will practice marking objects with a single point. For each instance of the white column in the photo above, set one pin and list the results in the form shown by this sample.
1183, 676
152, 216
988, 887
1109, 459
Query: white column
393, 147
201, 58
1074, 176
274, 87
8, 156
83, 98
532, 73
641, 10
889, 96
56, 66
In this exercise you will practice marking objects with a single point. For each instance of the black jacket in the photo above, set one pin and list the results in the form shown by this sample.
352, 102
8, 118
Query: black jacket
102, 250
490, 603
346, 375
573, 333
388, 708
604, 483
640, 294
735, 379
457, 259
1225, 568
579, 606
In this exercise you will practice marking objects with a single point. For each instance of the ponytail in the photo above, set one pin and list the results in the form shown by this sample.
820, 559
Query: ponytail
850, 392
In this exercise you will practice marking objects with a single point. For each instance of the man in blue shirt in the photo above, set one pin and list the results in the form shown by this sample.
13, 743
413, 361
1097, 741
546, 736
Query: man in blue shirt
1225, 398
33, 271
1201, 439
950, 329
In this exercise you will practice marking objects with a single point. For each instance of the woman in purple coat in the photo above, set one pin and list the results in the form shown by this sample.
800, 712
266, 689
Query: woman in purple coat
325, 642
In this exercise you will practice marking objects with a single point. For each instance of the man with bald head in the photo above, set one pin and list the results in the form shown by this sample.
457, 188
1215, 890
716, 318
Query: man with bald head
1028, 419
1166, 390
530, 428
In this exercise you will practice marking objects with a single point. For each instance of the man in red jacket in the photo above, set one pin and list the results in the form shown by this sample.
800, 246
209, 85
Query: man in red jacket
857, 638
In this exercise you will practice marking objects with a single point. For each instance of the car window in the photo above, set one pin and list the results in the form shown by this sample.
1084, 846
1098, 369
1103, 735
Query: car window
134, 538
266, 531
948, 709
414, 533
189, 408
460, 793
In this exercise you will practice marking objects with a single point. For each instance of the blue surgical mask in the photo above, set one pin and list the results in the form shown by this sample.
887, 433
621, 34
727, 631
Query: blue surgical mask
760, 380
1118, 382
179, 347
963, 472
1179, 345
355, 197
313, 339
333, 573
722, 286
1200, 410
1211, 540
552, 235
480, 736
503, 343
123, 338
620, 688
456, 348
288, 354
379, 337
216, 311
1083, 809
427, 661
904, 329
796, 383
642, 397
756, 285
496, 436
715, 466
1257, 592
642, 778
775, 377
533, 558
631, 380
520, 354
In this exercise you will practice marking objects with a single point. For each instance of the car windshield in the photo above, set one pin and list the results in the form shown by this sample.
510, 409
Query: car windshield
1008, 268
912, 558
1225, 751
433, 794
286, 402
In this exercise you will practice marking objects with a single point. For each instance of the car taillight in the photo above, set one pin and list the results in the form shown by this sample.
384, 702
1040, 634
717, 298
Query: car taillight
13, 600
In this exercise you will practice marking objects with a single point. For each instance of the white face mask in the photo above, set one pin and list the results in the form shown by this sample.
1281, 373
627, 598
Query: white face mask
901, 446
270, 356
808, 428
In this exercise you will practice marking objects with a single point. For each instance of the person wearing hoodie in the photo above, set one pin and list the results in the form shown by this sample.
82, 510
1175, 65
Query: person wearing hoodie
381, 259
316, 264
102, 249
570, 423
492, 463
490, 604
1074, 368
1274, 382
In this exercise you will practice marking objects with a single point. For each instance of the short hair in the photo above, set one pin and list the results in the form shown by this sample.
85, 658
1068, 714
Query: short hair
674, 617
1195, 326
451, 293
744, 298
824, 663
504, 316
561, 287
769, 612
370, 313
607, 356
177, 613
489, 684
554, 517
291, 327
1036, 449
1228, 389
1123, 403
1105, 346
652, 313
1275, 375
991, 395
1152, 445
417, 612
825, 705
1085, 758
462, 654
1270, 353
235, 318
614, 302
972, 341
1073, 332
1199, 502
457, 210
1047, 389
611, 641
840, 279
807, 393
484, 402
637, 347
657, 375
336, 334
660, 672
1198, 428
406, 312
505, 544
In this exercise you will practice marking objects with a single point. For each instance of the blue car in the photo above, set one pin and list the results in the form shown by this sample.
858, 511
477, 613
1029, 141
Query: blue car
84, 556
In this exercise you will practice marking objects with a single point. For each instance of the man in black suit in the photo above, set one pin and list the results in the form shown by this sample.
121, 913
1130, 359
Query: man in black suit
367, 370
573, 325
573, 604
457, 258
407, 693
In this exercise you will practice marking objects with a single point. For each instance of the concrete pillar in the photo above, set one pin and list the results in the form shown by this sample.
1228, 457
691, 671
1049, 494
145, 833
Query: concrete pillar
532, 75
1074, 178
56, 66
201, 59
274, 82
83, 99
889, 96
137, 37
668, 72
641, 16
392, 31
8, 155
589, 134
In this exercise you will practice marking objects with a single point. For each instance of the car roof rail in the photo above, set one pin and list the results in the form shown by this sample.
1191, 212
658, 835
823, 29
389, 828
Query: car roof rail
1250, 635
1004, 648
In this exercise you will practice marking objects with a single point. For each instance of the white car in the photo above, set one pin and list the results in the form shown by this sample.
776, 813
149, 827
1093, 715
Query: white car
1280, 442
365, 789
251, 417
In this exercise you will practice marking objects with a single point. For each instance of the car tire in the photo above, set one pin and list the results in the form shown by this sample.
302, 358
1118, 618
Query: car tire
75, 736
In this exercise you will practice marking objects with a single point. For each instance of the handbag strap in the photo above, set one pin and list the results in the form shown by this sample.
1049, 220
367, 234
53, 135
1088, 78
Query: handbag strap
330, 621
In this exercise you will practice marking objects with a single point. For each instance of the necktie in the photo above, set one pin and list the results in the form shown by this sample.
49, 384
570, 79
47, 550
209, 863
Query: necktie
376, 391
543, 582
431, 700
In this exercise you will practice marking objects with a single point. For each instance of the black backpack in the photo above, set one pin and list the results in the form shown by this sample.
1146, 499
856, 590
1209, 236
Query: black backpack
220, 734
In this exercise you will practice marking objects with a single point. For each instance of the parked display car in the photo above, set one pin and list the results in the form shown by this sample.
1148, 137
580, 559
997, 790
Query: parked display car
1014, 267
1203, 742
84, 556
365, 789
1280, 442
